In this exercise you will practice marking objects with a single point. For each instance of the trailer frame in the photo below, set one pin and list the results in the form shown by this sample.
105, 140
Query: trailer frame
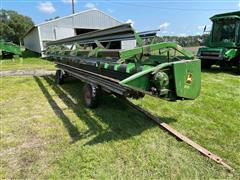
96, 83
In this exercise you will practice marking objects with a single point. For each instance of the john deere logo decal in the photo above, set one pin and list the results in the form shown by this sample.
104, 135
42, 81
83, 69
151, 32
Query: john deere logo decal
189, 78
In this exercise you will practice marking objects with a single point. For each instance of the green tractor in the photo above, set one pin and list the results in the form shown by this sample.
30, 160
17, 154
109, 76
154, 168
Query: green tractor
223, 45
9, 49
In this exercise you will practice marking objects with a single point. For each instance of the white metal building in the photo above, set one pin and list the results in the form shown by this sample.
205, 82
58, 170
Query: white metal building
67, 26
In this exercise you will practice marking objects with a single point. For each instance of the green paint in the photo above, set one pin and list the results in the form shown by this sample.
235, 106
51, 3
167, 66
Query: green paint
130, 67
106, 66
116, 67
139, 40
151, 69
232, 53
140, 83
141, 74
161, 81
187, 79
146, 67
125, 54
10, 48
224, 40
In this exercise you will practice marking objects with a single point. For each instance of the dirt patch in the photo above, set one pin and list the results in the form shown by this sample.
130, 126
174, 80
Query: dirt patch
39, 72
33, 143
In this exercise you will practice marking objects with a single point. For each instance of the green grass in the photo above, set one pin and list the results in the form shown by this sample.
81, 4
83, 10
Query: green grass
46, 132
28, 61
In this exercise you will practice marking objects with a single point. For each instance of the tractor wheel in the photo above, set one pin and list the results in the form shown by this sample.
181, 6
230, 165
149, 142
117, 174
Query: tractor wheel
90, 95
59, 77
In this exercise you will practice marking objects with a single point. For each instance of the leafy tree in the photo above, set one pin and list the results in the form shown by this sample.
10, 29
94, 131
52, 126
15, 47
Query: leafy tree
185, 41
13, 25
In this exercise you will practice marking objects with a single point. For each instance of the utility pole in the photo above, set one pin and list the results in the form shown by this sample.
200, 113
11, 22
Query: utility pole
73, 11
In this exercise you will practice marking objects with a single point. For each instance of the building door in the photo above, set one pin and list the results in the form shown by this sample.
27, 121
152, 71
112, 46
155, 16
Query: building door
61, 32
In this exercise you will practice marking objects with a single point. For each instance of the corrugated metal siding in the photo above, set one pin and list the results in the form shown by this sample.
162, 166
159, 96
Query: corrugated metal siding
92, 19
48, 30
64, 27
32, 41
61, 32
128, 44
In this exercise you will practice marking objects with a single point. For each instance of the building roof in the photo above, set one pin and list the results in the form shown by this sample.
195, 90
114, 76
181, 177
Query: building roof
31, 29
65, 17
232, 14
72, 15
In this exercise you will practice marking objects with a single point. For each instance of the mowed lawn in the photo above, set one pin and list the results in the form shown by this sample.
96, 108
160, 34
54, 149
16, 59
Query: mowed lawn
46, 132
28, 62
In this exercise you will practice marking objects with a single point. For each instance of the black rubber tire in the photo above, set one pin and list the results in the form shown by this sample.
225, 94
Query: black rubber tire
59, 77
90, 96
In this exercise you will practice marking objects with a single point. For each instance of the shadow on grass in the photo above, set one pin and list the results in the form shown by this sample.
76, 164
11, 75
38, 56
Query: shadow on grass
30, 54
112, 120
216, 70
72, 130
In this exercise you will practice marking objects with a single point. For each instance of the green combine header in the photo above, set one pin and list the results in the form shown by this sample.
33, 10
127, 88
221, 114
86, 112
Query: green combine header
223, 45
9, 49
164, 70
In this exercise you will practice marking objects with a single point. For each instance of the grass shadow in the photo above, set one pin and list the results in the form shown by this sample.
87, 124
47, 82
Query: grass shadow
112, 120
217, 70
72, 130
30, 54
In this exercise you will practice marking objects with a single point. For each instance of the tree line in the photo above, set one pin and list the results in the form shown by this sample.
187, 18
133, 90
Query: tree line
185, 41
13, 25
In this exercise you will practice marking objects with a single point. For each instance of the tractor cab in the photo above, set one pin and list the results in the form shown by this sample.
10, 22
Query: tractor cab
222, 47
225, 32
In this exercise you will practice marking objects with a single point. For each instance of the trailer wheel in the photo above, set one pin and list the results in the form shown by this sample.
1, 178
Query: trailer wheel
90, 95
59, 77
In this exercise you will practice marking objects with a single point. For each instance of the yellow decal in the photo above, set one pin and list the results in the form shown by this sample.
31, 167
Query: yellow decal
189, 78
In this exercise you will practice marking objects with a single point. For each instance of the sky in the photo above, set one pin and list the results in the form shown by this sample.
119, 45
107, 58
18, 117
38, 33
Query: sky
172, 17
